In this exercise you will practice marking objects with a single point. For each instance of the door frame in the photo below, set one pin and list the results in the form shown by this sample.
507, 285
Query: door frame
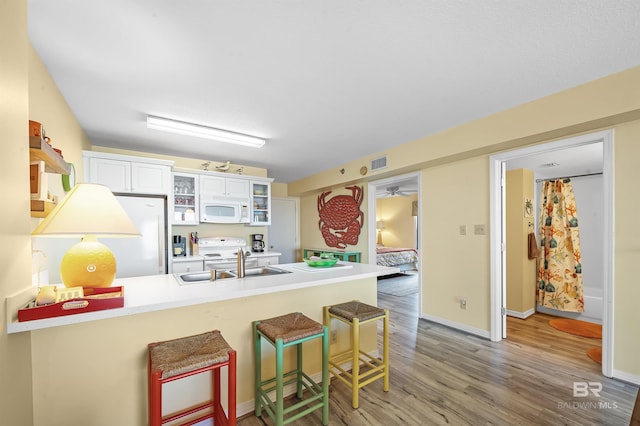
497, 237
371, 222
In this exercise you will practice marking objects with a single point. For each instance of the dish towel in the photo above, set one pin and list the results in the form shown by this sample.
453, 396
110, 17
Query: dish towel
533, 246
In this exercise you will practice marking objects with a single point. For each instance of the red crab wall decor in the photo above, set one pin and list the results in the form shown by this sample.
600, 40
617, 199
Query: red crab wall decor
340, 217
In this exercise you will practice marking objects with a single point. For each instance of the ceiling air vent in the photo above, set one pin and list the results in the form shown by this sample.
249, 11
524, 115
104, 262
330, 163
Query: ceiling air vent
378, 163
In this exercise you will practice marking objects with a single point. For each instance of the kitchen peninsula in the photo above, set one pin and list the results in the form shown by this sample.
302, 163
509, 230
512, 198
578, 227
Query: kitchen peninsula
99, 358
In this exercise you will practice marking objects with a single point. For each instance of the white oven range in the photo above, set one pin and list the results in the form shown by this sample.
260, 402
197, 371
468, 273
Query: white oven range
221, 253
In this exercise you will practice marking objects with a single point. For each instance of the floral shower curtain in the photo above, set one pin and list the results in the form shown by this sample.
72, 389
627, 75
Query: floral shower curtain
559, 271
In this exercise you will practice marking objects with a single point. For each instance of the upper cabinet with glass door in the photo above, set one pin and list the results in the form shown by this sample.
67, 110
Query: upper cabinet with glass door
260, 202
185, 199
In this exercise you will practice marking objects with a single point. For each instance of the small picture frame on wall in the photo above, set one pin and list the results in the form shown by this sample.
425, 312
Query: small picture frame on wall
528, 207
38, 180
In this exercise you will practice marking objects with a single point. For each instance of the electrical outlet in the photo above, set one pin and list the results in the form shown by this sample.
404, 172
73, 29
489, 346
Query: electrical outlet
334, 336
479, 230
463, 229
463, 303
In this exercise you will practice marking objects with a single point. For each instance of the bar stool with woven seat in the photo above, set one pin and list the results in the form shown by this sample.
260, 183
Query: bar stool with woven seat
284, 331
355, 314
183, 357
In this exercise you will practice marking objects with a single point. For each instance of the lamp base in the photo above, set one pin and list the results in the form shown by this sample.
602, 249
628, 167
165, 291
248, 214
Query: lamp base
88, 264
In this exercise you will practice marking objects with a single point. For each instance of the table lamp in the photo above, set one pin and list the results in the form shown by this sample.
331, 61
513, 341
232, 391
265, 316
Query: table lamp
88, 211
379, 227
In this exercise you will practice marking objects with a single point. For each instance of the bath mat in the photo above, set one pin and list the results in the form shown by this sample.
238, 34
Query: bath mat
577, 327
595, 354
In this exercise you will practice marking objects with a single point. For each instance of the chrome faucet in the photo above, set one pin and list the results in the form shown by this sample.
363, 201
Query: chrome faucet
242, 257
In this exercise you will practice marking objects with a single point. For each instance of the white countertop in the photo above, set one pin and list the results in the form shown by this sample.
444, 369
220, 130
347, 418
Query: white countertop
159, 292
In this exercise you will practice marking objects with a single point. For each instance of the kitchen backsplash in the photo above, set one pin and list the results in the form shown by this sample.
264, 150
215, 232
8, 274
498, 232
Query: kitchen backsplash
220, 230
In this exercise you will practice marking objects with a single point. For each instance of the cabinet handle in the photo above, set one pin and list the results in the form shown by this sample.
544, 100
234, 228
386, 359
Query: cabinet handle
161, 244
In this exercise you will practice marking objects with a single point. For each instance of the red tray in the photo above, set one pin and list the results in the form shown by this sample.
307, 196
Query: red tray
96, 299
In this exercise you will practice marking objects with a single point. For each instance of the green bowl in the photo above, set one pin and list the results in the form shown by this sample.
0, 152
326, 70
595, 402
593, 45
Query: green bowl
321, 263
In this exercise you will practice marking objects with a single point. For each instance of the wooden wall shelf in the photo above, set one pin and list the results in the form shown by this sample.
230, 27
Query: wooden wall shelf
40, 150
40, 208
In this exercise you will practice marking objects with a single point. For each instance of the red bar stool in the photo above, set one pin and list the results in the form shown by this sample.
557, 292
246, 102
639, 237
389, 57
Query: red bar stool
179, 358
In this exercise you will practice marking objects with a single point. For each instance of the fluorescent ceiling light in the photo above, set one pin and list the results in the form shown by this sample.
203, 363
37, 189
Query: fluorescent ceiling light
180, 127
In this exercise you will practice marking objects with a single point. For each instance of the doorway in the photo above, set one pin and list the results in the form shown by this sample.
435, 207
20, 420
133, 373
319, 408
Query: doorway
498, 234
283, 235
401, 186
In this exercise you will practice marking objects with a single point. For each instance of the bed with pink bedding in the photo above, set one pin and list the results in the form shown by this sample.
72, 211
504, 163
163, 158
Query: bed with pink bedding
397, 257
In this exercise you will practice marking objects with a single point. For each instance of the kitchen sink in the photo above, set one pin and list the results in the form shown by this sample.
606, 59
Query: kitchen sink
261, 271
198, 277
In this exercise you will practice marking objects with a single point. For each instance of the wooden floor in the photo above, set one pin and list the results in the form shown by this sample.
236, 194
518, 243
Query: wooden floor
440, 376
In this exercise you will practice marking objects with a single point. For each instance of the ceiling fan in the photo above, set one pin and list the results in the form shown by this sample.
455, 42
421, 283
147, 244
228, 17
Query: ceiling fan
393, 191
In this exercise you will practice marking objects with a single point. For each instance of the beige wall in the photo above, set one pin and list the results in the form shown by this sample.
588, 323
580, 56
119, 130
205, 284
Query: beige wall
399, 224
456, 266
48, 106
627, 248
455, 182
279, 189
15, 250
520, 269
28, 93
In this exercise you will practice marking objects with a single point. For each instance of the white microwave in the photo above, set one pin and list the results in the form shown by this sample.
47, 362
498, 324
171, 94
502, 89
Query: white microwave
225, 211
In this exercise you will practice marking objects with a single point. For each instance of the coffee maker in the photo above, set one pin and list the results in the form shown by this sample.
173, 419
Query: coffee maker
257, 243
179, 245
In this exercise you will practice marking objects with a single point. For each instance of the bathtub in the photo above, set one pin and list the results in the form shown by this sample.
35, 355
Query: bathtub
592, 307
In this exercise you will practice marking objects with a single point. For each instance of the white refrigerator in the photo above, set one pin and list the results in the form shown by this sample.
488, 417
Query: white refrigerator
136, 256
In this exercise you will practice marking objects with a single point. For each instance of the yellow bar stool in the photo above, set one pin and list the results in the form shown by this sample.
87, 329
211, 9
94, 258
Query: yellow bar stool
365, 367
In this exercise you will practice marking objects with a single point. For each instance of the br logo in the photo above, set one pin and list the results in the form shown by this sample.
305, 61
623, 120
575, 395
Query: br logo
583, 389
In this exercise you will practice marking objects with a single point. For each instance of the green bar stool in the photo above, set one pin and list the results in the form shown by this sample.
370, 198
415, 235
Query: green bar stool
365, 368
283, 331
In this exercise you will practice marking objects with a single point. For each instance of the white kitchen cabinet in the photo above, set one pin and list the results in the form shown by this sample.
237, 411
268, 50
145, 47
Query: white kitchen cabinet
150, 178
185, 199
260, 202
128, 174
115, 174
188, 266
212, 187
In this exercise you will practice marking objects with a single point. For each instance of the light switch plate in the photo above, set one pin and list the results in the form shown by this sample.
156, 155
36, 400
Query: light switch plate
479, 230
463, 229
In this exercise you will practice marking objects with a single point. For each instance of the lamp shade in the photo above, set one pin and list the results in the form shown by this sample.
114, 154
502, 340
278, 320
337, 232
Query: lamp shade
379, 228
87, 209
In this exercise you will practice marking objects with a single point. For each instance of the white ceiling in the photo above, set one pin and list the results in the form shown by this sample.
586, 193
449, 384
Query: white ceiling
575, 161
326, 82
